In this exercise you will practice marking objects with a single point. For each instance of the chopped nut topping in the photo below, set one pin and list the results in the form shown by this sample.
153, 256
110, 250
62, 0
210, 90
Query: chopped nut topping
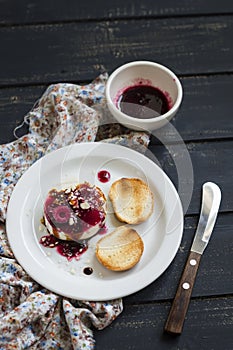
71, 221
72, 202
85, 205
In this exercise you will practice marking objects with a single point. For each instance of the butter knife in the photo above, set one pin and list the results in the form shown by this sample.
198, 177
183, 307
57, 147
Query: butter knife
211, 198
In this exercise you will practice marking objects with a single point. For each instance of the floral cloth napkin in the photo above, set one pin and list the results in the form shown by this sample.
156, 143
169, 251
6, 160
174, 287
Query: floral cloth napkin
30, 315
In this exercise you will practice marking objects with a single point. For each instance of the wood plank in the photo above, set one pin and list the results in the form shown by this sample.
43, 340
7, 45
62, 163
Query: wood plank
15, 103
204, 114
209, 323
207, 158
13, 11
75, 51
214, 275
211, 161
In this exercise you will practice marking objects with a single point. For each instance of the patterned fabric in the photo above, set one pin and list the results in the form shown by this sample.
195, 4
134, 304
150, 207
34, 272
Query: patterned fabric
31, 316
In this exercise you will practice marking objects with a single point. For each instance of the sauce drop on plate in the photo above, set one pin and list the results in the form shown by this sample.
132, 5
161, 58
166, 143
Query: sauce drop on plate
104, 176
88, 270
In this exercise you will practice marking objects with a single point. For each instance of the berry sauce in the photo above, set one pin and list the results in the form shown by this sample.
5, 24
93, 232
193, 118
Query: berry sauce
71, 213
74, 211
143, 101
104, 176
88, 270
68, 249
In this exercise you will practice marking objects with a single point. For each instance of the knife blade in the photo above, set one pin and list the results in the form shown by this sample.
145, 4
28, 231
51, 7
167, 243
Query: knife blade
211, 198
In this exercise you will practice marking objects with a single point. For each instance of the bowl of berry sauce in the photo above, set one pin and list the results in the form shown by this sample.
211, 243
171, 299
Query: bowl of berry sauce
143, 95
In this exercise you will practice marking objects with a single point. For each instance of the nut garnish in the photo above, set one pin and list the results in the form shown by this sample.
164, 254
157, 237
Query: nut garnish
71, 221
85, 205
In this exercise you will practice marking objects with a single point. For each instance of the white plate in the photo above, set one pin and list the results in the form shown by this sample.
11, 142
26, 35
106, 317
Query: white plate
161, 233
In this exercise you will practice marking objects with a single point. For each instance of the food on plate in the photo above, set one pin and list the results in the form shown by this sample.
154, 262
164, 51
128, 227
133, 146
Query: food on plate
75, 213
121, 249
132, 200
68, 249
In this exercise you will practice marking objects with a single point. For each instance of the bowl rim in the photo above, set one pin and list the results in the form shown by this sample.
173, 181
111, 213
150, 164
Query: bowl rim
146, 120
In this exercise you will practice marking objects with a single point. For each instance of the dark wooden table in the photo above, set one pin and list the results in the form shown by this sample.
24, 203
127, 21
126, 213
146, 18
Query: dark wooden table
53, 41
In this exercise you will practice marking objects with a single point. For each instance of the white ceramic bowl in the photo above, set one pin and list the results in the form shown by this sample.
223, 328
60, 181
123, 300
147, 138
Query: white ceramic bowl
153, 74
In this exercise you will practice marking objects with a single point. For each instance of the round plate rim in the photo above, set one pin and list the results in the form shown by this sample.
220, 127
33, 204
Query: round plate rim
132, 288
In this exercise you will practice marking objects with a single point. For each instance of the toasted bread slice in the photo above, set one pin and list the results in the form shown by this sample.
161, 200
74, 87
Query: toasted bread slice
120, 250
132, 200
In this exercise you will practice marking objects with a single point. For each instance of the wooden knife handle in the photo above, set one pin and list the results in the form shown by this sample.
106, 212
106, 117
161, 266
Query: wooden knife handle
181, 301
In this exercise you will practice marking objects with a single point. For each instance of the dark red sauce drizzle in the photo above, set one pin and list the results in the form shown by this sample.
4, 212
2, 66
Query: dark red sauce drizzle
68, 249
62, 207
143, 101
104, 176
59, 210
88, 270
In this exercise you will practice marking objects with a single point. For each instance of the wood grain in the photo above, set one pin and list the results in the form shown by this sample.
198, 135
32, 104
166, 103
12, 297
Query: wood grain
75, 51
13, 11
180, 304
205, 113
205, 110
211, 161
15, 103
44, 42
214, 274
141, 327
